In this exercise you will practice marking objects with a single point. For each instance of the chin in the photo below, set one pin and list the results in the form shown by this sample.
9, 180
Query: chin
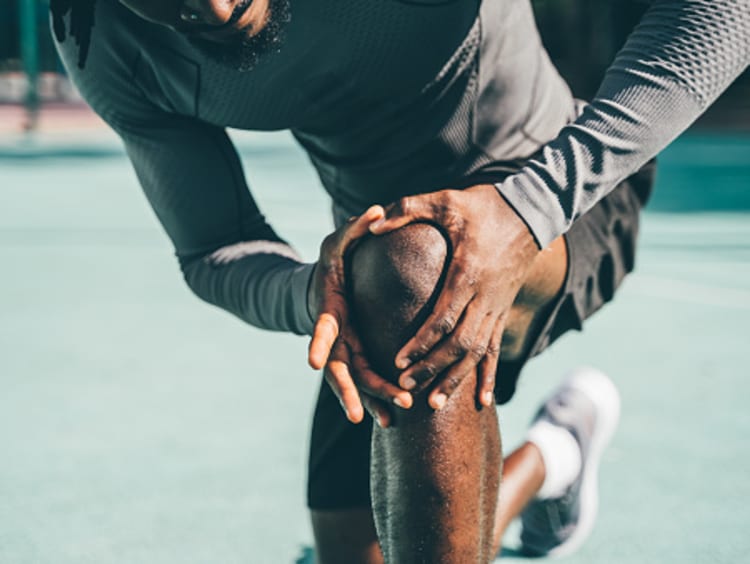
244, 54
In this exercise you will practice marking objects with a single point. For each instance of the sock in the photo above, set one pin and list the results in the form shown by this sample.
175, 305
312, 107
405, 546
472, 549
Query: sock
561, 455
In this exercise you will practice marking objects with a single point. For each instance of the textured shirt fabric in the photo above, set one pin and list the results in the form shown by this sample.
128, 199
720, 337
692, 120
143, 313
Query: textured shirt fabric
389, 98
682, 55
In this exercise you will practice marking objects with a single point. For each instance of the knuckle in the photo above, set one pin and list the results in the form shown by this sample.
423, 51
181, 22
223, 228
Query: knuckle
444, 324
420, 350
449, 199
404, 205
492, 349
462, 344
427, 371
478, 352
455, 220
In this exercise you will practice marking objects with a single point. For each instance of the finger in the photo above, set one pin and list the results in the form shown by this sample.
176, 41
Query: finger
489, 364
378, 410
368, 380
407, 210
451, 350
324, 336
338, 377
378, 387
360, 226
464, 368
376, 393
454, 297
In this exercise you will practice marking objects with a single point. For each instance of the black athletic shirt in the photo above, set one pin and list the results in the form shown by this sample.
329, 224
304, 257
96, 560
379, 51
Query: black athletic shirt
390, 98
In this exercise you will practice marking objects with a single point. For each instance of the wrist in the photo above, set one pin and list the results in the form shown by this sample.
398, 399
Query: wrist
516, 215
510, 226
312, 293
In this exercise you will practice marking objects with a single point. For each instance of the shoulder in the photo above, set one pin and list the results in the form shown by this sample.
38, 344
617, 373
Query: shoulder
109, 81
107, 70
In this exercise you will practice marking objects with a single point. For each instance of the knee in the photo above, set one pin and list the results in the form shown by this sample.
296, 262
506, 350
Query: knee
394, 280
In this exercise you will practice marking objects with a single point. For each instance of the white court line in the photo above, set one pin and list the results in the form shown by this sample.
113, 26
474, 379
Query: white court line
690, 292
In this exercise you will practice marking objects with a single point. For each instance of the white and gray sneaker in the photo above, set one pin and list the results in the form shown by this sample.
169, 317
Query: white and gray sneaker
587, 405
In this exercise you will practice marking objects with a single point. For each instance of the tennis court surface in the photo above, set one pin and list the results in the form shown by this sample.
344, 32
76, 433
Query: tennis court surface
139, 425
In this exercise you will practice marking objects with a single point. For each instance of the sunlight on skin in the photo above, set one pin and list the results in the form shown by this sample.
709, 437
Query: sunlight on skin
171, 13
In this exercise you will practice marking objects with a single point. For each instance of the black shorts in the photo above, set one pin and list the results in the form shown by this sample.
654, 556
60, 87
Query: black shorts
601, 251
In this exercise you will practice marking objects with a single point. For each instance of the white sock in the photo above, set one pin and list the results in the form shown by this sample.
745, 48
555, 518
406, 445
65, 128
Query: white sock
561, 455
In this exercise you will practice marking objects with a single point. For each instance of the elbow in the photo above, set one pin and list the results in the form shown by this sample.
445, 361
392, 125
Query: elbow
191, 274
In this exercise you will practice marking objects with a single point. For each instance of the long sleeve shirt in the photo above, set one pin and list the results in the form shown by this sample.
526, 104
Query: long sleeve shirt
390, 98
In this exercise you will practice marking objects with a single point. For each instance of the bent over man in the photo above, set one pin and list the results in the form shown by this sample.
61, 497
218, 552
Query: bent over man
447, 112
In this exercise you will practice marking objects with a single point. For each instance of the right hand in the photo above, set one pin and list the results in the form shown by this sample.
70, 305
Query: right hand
335, 346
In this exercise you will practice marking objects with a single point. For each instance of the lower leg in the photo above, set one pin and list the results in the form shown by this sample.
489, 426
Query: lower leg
523, 476
434, 475
414, 469
345, 536
524, 470
435, 479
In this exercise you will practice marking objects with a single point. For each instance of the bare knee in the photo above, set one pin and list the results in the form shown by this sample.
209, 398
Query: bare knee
394, 280
434, 474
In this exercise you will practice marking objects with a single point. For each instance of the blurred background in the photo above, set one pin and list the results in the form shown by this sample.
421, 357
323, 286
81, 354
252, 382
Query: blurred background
138, 425
582, 37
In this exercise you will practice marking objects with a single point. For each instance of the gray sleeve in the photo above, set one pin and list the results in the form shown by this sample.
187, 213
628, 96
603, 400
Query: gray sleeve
193, 179
677, 61
230, 256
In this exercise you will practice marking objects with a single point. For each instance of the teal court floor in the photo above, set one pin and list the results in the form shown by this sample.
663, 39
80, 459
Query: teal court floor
140, 426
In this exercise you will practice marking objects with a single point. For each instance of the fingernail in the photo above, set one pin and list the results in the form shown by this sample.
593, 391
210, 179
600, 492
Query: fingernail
376, 224
401, 403
409, 383
402, 363
488, 397
439, 401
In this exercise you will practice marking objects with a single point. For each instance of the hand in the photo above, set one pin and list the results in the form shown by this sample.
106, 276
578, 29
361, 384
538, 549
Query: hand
492, 250
335, 346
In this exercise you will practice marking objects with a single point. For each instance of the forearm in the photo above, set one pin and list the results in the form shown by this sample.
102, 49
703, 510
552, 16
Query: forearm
674, 65
229, 255
265, 286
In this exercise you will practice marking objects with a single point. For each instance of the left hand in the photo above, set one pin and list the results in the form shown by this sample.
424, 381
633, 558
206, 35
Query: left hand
335, 346
492, 250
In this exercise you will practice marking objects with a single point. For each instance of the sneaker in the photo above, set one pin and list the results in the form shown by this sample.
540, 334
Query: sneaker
588, 405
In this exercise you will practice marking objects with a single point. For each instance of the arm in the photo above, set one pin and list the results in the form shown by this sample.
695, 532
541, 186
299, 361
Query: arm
682, 55
229, 255
193, 179
679, 59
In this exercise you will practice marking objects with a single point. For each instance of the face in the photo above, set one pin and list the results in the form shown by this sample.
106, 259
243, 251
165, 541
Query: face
235, 33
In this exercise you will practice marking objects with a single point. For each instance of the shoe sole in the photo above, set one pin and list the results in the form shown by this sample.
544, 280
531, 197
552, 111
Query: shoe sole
603, 393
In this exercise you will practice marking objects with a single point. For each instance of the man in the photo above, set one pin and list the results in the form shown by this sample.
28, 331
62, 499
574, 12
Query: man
407, 101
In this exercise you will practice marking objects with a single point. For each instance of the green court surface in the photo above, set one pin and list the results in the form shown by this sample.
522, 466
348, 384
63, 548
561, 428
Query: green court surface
139, 425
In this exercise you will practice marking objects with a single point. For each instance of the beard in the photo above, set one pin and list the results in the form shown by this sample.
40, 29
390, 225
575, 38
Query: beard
244, 54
